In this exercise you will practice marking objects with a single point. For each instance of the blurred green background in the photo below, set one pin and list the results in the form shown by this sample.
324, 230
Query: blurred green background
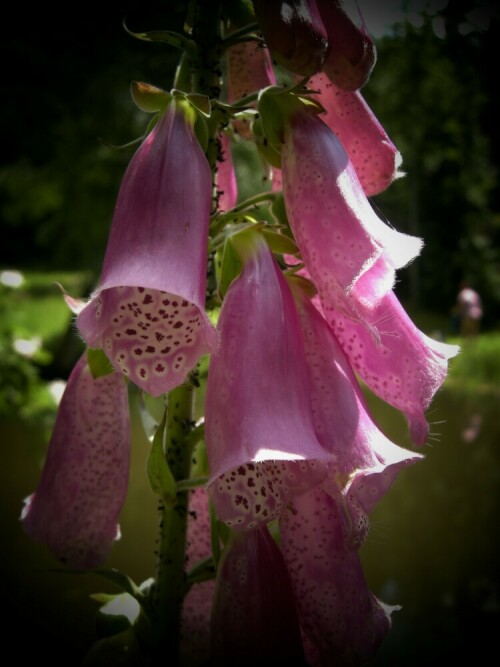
65, 101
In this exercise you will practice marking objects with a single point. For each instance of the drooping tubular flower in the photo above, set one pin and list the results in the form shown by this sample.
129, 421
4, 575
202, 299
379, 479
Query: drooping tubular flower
148, 313
260, 438
254, 619
351, 51
76, 506
374, 157
349, 252
294, 33
352, 256
342, 621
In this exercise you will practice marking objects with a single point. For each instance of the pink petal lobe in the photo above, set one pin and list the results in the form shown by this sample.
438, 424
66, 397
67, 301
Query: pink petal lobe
260, 438
154, 338
254, 619
343, 621
342, 420
158, 242
76, 506
395, 359
375, 158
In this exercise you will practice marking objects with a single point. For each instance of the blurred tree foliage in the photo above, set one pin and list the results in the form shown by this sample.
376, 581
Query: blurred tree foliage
434, 90
65, 96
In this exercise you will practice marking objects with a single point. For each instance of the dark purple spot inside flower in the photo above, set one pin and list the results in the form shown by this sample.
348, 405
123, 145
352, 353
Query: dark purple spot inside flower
130, 332
147, 299
178, 325
138, 351
150, 349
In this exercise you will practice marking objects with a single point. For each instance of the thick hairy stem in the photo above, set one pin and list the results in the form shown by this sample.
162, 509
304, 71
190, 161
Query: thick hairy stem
170, 574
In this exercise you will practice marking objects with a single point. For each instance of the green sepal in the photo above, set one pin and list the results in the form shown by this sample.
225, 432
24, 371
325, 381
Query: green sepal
304, 284
230, 268
279, 243
276, 104
160, 477
266, 150
98, 363
246, 241
279, 213
149, 98
219, 535
201, 103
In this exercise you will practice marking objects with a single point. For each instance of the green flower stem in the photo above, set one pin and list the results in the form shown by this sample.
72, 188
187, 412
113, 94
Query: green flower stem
170, 578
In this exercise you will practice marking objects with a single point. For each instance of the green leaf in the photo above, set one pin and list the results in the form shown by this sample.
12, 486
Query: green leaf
169, 37
98, 363
116, 577
118, 613
149, 98
159, 474
203, 570
121, 580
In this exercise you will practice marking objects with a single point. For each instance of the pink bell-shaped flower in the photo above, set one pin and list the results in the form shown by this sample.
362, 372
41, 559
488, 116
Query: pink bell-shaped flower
342, 621
254, 619
260, 438
349, 252
148, 313
294, 33
373, 155
75, 509
351, 51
